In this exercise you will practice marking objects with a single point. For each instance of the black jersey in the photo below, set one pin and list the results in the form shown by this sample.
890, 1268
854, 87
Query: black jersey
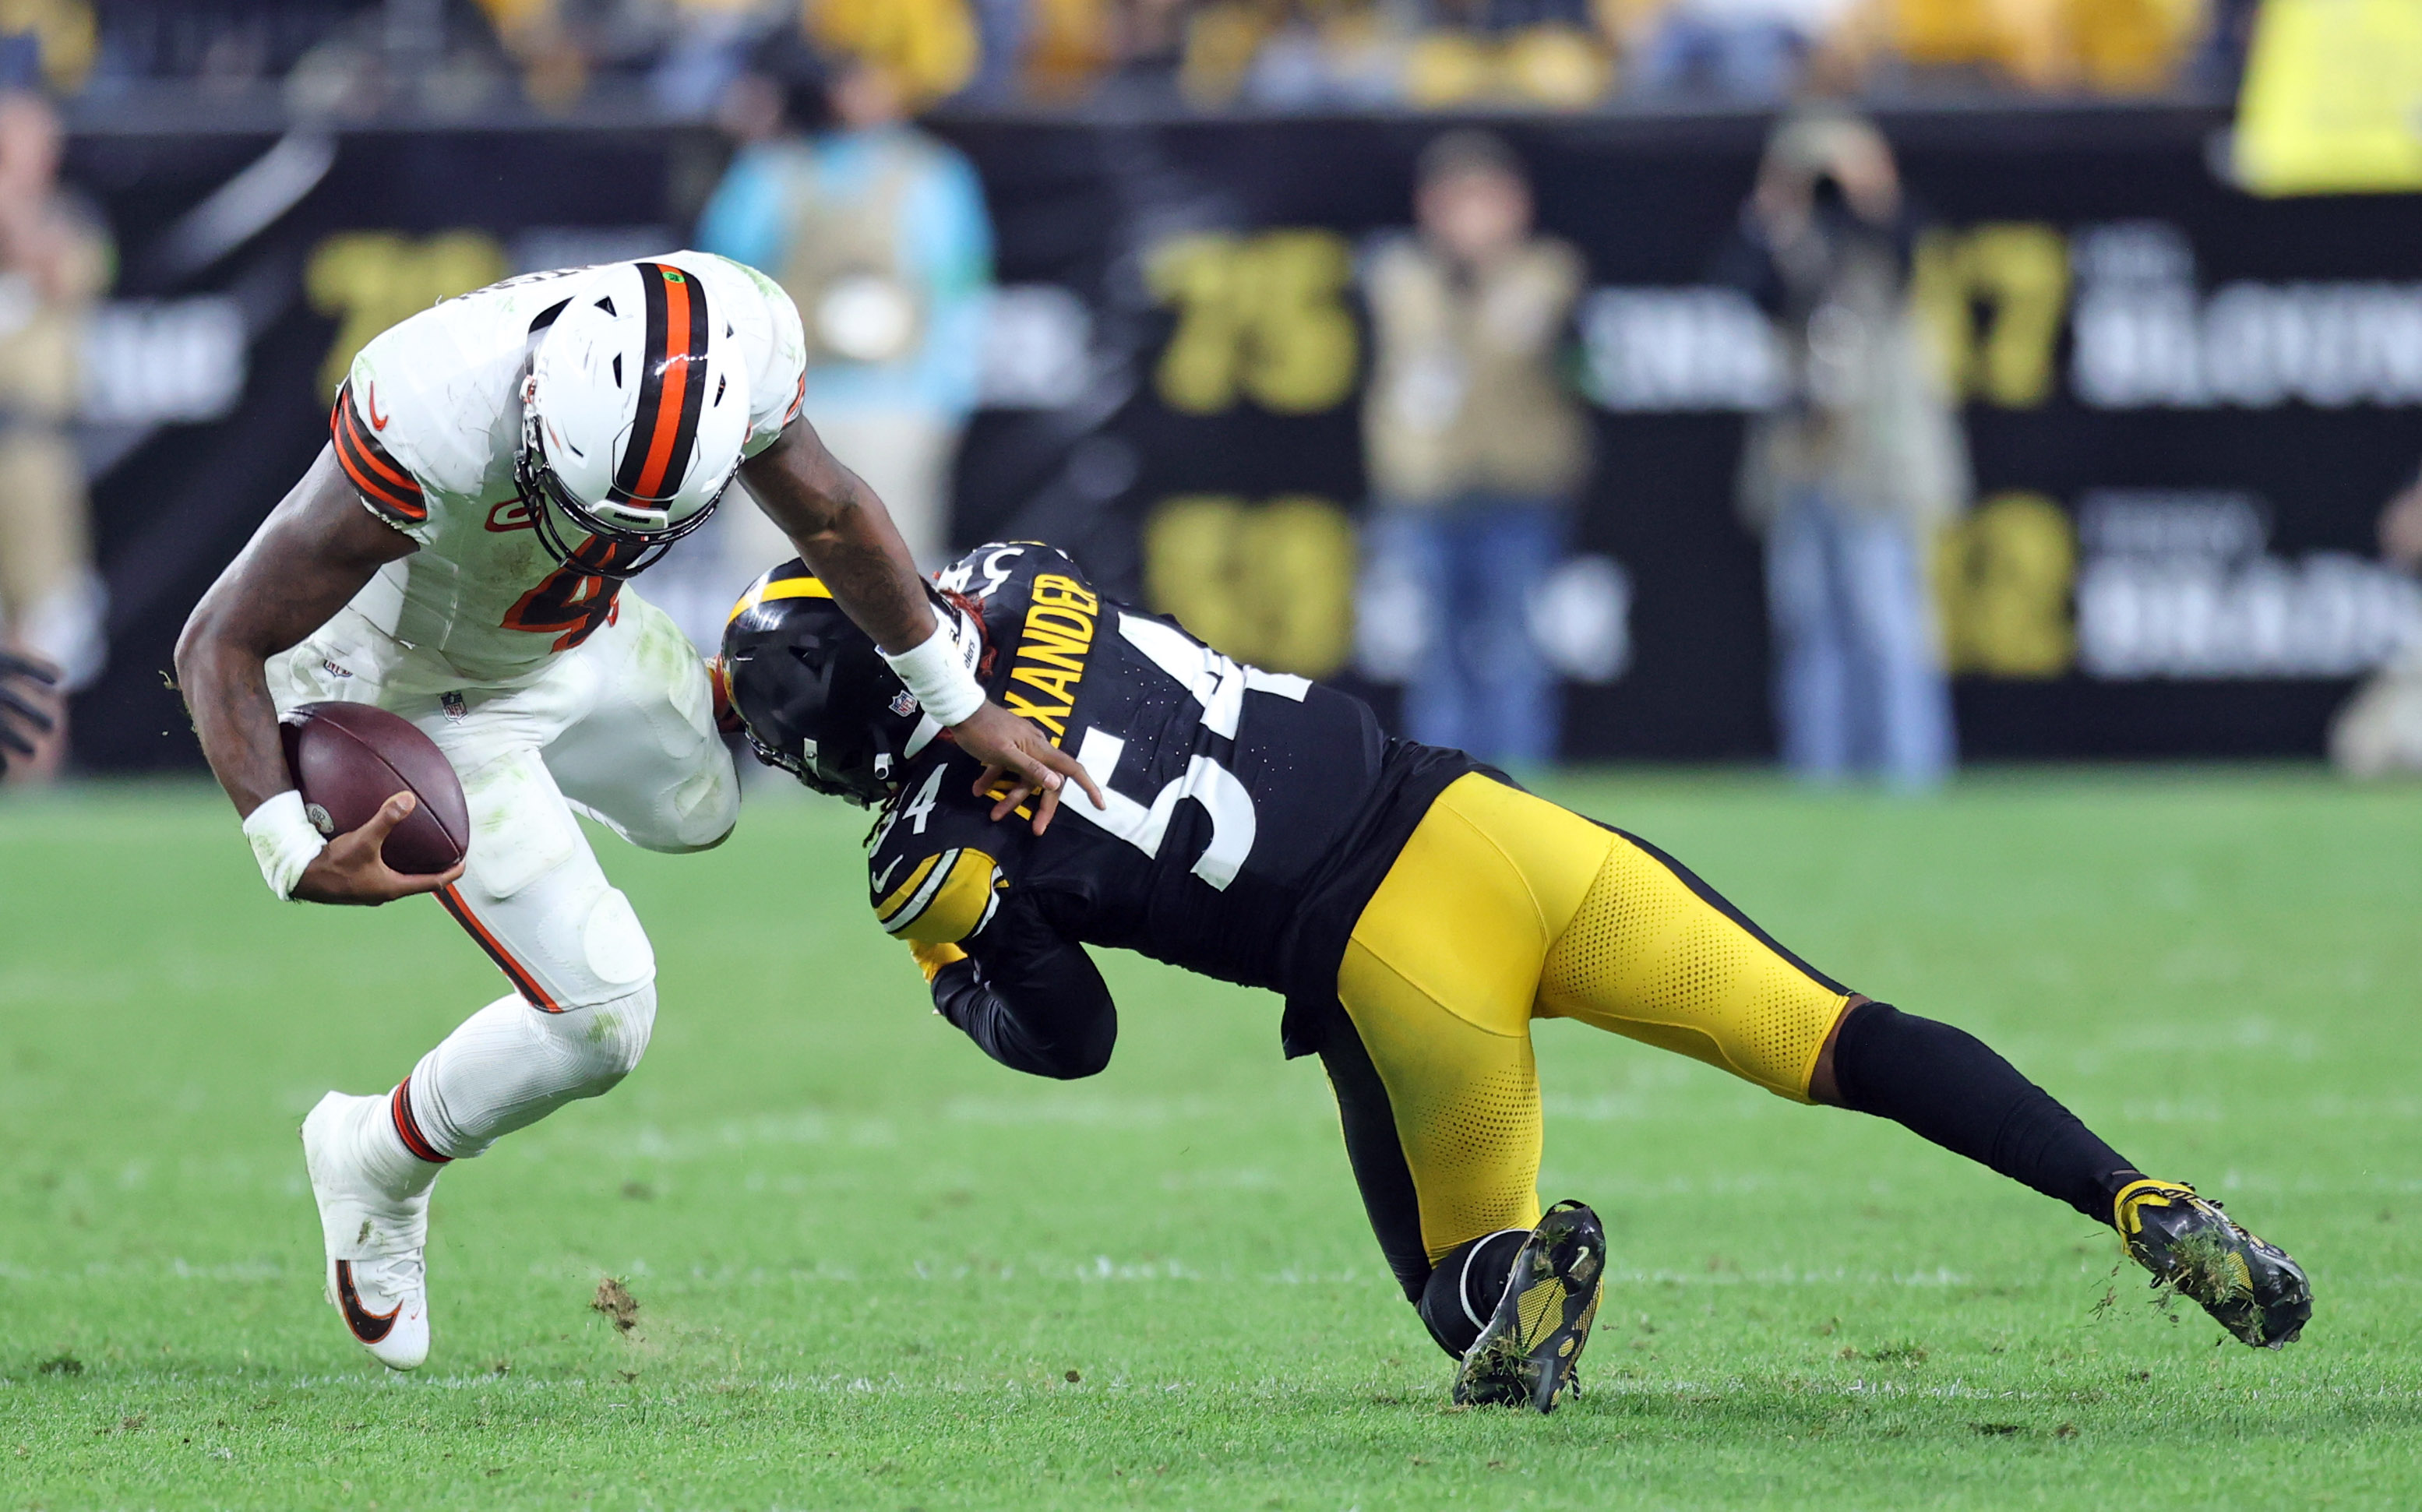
1252, 815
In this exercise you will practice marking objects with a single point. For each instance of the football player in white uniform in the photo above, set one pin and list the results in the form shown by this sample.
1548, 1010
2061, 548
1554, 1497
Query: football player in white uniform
498, 467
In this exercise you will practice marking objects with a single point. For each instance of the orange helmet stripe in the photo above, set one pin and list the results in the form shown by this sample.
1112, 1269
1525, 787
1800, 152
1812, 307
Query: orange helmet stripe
671, 385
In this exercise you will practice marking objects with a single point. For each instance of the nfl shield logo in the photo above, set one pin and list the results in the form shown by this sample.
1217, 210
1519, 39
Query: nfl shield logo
904, 703
453, 705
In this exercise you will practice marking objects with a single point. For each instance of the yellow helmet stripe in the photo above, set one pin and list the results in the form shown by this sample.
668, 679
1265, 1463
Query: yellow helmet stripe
784, 589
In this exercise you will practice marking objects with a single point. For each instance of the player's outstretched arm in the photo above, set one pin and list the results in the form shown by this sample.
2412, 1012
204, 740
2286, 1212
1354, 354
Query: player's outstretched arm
20, 720
845, 535
306, 561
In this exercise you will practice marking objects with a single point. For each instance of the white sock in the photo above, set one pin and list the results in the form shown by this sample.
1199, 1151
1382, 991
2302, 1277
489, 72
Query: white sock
509, 1065
386, 1159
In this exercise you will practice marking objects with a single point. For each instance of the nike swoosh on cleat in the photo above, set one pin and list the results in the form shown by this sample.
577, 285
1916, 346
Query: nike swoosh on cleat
368, 1325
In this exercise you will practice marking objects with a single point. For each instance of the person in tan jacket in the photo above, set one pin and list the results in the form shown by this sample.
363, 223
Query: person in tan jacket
1858, 465
52, 262
2378, 732
1474, 445
879, 233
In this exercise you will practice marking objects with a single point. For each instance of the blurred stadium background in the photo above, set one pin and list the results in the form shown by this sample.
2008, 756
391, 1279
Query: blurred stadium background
2161, 253
1129, 275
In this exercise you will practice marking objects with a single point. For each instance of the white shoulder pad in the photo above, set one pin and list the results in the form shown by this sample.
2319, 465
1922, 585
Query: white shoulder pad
438, 393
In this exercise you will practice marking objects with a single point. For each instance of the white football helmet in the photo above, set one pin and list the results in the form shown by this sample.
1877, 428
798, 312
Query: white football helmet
633, 418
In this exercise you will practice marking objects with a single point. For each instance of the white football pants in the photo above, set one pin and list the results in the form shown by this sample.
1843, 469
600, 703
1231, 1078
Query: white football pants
620, 727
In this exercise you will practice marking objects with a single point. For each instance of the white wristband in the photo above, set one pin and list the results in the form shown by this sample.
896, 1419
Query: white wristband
940, 670
283, 841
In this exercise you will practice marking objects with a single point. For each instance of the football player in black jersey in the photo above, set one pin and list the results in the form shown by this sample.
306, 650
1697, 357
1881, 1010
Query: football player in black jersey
1416, 910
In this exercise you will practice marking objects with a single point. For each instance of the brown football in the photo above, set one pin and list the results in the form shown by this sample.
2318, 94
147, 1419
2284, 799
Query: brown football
349, 758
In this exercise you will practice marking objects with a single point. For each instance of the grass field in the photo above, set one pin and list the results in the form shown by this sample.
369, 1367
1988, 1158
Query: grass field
876, 1271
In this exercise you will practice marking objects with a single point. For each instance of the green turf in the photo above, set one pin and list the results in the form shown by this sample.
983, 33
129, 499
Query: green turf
876, 1270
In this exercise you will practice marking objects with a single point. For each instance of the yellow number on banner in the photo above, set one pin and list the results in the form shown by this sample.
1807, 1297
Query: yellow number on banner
371, 279
1262, 317
2019, 272
1271, 584
2006, 573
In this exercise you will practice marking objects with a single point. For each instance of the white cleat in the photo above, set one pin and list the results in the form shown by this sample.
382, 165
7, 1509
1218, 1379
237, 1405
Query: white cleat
375, 1278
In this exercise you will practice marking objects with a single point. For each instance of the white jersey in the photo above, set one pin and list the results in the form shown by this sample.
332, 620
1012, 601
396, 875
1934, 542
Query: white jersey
427, 427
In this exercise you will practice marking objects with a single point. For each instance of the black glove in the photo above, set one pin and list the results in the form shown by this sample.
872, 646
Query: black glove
20, 720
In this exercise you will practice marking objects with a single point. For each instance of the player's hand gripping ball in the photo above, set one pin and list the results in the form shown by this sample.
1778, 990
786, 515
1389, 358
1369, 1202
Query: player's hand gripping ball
348, 759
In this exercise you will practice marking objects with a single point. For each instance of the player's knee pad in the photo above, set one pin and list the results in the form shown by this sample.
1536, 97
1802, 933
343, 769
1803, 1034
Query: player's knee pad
603, 1044
705, 810
614, 947
1465, 1287
699, 813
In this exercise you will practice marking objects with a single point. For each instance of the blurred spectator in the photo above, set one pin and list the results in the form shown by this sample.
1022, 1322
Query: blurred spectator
926, 49
1537, 52
1002, 27
1747, 49
554, 58
1474, 445
879, 233
25, 705
52, 262
1296, 55
1077, 47
47, 43
356, 56
2379, 732
1852, 475
705, 47
1068, 42
2106, 46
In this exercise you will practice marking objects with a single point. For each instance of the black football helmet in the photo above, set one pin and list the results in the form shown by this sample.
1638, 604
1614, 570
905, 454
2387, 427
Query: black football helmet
813, 691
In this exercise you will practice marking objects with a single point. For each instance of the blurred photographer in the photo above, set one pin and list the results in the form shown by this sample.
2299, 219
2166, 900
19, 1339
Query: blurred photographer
2378, 731
1475, 446
878, 232
1859, 464
52, 262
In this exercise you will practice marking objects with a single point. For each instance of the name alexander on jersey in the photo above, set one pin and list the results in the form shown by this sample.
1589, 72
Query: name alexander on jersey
1052, 646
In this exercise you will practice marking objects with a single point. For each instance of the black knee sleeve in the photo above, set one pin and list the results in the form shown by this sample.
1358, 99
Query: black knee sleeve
1465, 1287
1948, 1086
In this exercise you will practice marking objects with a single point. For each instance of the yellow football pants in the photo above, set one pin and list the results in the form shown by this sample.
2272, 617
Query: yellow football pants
1503, 908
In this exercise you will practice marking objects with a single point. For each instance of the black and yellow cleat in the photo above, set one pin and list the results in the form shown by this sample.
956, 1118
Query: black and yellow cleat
2250, 1287
1525, 1355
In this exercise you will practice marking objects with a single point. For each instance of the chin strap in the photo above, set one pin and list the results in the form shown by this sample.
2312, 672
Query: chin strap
727, 718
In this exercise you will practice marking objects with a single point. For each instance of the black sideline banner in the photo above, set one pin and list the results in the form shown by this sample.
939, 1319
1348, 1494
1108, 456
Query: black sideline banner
2185, 405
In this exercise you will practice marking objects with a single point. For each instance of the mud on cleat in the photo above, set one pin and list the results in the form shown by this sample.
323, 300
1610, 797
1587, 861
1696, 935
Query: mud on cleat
2250, 1287
1526, 1353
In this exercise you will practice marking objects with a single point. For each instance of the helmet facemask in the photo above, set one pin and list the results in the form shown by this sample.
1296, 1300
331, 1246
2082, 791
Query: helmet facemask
858, 760
816, 700
635, 417
630, 548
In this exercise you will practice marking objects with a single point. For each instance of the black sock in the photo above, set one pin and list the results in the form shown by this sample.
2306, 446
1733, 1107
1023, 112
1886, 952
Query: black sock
1465, 1287
1948, 1086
